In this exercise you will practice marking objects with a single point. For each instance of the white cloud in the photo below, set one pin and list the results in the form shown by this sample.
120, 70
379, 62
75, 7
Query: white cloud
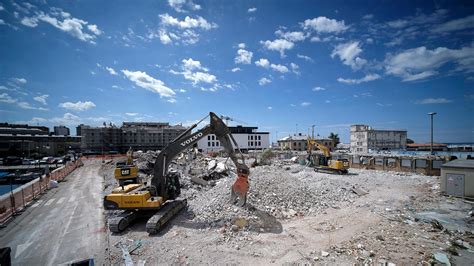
78, 106
348, 53
318, 88
252, 9
164, 37
384, 105
143, 80
2, 22
111, 71
131, 114
455, 25
241, 45
279, 68
368, 16
63, 21
263, 62
195, 72
94, 29
279, 45
295, 68
305, 57
434, 101
420, 63
67, 119
243, 57
367, 78
187, 23
25, 105
179, 5
263, 81
235, 69
304, 104
269, 108
41, 99
20, 80
5, 98
2, 8
325, 25
294, 36
327, 101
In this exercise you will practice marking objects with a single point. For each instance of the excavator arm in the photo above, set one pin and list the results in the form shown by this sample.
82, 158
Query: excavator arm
324, 149
160, 181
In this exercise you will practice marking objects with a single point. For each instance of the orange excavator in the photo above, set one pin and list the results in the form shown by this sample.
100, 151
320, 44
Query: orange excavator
159, 199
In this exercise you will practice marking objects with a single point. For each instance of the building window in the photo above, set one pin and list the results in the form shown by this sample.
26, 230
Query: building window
251, 137
208, 137
208, 144
213, 144
259, 143
217, 143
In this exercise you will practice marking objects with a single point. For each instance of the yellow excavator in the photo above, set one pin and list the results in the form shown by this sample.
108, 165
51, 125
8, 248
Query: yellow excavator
158, 200
126, 172
324, 162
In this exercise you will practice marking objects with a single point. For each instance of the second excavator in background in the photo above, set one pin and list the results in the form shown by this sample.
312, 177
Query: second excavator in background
159, 199
325, 162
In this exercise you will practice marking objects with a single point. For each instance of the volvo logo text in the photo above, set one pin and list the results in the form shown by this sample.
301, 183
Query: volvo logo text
191, 139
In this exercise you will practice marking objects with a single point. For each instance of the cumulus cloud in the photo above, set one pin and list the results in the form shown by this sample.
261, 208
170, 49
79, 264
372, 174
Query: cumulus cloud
304, 104
182, 5
279, 68
77, 106
41, 99
279, 45
294, 36
145, 81
295, 68
243, 57
367, 78
187, 23
111, 71
236, 69
324, 25
5, 98
420, 63
252, 9
264, 81
63, 21
20, 80
263, 62
348, 53
66, 119
317, 88
434, 101
28, 106
185, 31
193, 70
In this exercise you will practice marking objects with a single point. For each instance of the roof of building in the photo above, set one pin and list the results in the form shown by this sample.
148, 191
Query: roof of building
426, 145
459, 163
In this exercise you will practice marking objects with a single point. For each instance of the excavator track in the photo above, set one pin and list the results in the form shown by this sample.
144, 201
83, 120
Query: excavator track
157, 221
119, 223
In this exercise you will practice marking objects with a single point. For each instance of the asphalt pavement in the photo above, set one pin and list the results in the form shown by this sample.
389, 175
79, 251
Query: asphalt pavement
65, 225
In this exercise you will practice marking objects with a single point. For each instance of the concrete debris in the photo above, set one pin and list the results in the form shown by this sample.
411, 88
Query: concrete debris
359, 191
324, 253
443, 258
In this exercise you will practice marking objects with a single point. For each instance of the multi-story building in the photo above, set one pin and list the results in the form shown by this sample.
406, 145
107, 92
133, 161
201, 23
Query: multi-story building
33, 141
61, 131
137, 135
299, 142
365, 139
247, 138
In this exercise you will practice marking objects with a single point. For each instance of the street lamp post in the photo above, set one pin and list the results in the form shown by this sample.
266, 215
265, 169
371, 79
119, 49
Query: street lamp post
431, 119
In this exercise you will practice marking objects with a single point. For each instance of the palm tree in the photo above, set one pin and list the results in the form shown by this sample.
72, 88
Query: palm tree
334, 137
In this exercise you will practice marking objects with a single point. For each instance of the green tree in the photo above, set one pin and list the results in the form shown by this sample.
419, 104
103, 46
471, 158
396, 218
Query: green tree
409, 141
334, 137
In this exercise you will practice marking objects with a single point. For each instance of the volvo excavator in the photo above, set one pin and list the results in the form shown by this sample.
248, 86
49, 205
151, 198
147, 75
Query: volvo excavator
126, 172
325, 163
159, 199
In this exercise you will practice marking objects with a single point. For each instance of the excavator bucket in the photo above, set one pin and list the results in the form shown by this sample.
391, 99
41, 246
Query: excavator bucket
240, 189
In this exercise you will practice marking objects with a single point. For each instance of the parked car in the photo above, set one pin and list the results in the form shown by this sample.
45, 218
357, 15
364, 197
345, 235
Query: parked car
28, 161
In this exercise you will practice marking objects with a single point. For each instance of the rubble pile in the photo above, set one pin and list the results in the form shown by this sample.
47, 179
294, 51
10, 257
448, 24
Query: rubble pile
279, 193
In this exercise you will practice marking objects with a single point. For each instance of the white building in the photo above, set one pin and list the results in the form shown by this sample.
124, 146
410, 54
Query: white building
365, 139
246, 137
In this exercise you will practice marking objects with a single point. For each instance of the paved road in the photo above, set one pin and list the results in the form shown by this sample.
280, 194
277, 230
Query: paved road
65, 225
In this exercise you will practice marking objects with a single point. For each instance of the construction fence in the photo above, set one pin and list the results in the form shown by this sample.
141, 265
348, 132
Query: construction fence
18, 199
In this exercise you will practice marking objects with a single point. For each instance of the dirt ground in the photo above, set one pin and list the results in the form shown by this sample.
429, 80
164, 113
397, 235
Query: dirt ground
403, 219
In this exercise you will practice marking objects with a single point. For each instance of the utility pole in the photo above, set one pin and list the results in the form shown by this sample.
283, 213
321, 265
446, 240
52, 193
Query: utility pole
431, 119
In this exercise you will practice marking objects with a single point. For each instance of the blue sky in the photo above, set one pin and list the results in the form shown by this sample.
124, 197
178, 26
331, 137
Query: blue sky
279, 65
